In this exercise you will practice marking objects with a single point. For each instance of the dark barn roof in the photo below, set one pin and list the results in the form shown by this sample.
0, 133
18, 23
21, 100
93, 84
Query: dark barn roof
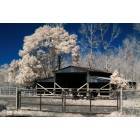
79, 69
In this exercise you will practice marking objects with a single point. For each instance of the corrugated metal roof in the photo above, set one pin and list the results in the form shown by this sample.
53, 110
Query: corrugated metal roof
79, 69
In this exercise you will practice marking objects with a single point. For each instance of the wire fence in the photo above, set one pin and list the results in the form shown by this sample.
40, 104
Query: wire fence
22, 98
11, 91
66, 104
131, 103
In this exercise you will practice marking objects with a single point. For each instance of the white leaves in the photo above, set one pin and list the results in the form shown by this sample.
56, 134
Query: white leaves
48, 37
75, 55
39, 53
118, 80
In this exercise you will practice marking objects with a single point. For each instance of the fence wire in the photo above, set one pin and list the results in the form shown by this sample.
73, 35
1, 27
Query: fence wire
131, 103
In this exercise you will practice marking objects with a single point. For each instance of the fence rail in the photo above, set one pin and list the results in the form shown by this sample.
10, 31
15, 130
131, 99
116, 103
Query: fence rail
10, 90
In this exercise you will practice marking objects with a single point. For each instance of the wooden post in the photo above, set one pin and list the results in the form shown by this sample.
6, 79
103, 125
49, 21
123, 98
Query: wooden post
19, 96
40, 105
121, 102
63, 101
90, 100
17, 99
117, 102
54, 84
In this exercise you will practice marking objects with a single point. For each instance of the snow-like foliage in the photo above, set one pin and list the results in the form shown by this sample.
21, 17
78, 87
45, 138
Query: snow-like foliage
48, 37
40, 52
12, 71
118, 80
75, 55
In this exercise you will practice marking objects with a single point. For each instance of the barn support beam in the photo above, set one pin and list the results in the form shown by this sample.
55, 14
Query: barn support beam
59, 86
44, 88
81, 87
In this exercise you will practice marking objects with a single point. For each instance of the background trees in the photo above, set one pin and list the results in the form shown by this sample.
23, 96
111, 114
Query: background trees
40, 54
99, 36
51, 47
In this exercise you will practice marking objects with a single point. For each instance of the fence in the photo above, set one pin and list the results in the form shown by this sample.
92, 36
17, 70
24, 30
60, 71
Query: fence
8, 95
131, 103
7, 90
11, 91
126, 101
66, 103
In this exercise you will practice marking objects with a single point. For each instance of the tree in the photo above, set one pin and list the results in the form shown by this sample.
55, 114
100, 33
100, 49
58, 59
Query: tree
93, 36
40, 53
118, 80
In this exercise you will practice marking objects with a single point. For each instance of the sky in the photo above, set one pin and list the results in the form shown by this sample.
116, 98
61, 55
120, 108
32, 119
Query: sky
12, 35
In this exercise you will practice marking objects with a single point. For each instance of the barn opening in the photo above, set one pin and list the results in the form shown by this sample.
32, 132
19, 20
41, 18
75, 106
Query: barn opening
71, 80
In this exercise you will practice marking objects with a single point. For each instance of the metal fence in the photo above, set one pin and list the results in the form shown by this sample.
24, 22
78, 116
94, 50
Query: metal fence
8, 95
66, 104
131, 103
125, 101
7, 90
11, 91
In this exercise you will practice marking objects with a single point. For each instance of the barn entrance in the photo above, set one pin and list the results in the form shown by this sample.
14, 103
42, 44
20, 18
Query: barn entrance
71, 80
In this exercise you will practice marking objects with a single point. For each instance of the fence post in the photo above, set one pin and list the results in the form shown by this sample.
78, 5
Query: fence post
117, 101
17, 99
121, 100
19, 96
40, 106
90, 100
63, 101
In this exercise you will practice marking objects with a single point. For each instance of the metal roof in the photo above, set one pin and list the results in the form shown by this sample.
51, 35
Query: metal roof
72, 68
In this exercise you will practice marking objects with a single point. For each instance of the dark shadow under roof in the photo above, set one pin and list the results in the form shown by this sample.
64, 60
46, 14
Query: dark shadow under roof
49, 79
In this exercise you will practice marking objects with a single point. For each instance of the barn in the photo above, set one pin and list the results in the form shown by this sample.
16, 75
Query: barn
75, 80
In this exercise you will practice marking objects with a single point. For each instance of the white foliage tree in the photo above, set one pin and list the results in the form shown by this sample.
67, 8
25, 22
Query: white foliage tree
40, 52
94, 37
13, 70
118, 80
